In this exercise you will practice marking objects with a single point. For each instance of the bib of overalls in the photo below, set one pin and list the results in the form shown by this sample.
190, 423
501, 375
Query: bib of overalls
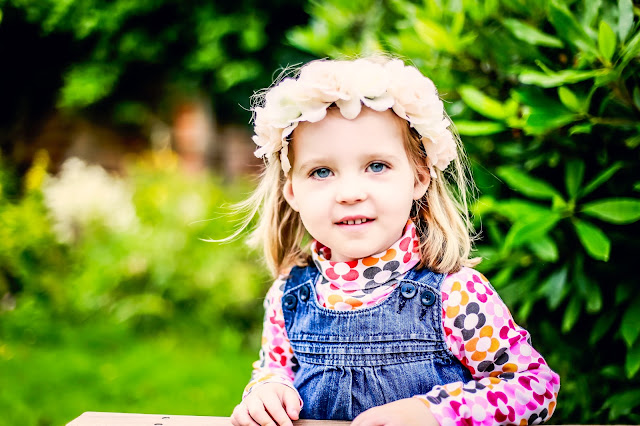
351, 361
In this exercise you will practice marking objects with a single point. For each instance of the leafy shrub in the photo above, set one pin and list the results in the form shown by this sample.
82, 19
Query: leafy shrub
546, 98
150, 272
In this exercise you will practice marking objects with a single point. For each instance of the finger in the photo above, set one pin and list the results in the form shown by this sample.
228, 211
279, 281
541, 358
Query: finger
275, 409
258, 413
241, 417
368, 418
291, 404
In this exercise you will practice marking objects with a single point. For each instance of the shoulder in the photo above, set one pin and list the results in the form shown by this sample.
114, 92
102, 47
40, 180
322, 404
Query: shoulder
274, 294
466, 277
465, 286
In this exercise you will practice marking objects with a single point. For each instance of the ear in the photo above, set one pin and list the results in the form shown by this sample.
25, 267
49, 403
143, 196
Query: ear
287, 192
423, 179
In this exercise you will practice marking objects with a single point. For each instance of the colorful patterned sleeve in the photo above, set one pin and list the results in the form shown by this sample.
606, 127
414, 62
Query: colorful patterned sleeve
277, 364
512, 382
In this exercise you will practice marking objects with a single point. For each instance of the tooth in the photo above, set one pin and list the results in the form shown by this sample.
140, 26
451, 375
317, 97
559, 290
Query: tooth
350, 222
358, 221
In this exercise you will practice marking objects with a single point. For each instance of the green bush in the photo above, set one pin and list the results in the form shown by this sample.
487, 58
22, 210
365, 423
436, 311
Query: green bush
546, 97
110, 300
150, 272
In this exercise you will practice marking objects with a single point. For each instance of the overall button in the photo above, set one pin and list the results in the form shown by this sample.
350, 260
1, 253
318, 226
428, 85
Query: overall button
304, 293
289, 301
408, 290
428, 298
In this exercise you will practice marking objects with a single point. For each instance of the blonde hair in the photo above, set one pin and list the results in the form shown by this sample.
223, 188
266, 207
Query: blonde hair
441, 216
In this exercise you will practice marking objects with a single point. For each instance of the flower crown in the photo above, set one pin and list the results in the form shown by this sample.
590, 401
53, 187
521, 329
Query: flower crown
349, 85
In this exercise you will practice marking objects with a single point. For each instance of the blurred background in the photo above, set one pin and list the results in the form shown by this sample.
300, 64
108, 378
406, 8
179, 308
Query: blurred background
124, 137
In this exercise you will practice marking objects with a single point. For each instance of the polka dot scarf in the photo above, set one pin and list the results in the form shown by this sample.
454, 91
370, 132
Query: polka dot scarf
364, 282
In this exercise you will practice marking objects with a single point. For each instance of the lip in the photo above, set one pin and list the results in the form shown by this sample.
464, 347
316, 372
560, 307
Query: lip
367, 220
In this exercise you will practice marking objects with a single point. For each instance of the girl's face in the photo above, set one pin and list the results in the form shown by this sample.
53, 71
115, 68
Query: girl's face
352, 182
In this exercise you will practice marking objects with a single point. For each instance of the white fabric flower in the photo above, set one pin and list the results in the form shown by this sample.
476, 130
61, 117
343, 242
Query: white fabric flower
349, 85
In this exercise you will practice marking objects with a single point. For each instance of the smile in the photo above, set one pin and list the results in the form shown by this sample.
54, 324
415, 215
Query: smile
357, 221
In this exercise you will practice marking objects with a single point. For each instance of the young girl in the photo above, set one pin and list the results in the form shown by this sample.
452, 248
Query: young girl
380, 318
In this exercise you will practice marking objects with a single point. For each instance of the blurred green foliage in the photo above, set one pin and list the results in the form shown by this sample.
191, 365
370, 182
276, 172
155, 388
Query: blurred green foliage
546, 97
95, 58
124, 319
149, 275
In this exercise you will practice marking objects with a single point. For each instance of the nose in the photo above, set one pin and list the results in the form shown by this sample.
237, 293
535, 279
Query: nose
350, 190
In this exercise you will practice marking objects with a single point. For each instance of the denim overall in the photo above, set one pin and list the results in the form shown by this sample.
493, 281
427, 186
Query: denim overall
351, 361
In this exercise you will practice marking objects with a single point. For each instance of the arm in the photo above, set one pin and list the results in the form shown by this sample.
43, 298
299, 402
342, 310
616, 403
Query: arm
270, 397
277, 364
512, 382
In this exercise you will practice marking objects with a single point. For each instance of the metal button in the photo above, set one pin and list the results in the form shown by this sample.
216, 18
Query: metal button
427, 297
408, 290
304, 293
289, 301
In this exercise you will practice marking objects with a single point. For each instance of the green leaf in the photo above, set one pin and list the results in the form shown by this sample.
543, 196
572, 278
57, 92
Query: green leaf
517, 209
622, 403
625, 18
636, 97
588, 289
555, 79
591, 10
593, 240
578, 129
571, 314
612, 371
569, 28
531, 35
525, 310
478, 128
606, 41
633, 141
484, 104
614, 210
555, 288
601, 178
569, 99
630, 324
623, 293
632, 363
86, 84
526, 184
540, 122
574, 173
545, 248
600, 328
630, 51
527, 231
594, 298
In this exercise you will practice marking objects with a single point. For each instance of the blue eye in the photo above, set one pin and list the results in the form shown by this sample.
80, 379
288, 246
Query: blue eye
321, 173
377, 167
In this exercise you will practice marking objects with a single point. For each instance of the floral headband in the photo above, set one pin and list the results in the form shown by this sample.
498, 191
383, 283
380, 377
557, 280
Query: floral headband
349, 85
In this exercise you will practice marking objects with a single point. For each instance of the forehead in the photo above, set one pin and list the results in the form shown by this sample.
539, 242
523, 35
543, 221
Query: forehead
370, 132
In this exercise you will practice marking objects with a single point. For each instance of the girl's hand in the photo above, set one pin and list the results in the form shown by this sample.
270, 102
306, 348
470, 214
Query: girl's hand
268, 404
403, 412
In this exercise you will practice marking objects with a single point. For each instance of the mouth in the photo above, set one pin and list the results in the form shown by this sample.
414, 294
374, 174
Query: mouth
354, 221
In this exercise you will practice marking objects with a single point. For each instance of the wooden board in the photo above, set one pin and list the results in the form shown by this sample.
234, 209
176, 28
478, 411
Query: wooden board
123, 419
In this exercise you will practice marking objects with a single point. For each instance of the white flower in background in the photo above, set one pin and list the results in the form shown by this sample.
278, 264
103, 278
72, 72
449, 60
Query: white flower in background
82, 194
